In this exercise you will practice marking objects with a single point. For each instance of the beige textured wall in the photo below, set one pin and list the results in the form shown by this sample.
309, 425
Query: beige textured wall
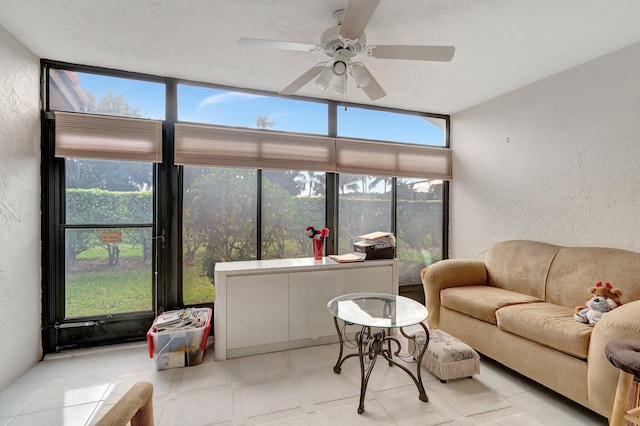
557, 161
20, 305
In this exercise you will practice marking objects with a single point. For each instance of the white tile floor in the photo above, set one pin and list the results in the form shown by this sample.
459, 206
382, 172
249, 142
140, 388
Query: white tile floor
295, 387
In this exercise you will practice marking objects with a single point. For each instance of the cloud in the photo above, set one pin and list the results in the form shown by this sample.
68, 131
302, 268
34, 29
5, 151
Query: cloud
226, 98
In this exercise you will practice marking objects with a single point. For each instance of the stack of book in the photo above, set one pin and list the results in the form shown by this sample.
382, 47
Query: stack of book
376, 245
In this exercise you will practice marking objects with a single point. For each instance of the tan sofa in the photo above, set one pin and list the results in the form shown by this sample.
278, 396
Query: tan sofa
517, 308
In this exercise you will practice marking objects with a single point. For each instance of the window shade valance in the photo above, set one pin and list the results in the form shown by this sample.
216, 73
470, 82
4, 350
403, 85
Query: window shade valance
205, 145
227, 147
107, 137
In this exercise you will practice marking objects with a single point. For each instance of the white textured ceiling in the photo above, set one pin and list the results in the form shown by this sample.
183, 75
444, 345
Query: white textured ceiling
501, 45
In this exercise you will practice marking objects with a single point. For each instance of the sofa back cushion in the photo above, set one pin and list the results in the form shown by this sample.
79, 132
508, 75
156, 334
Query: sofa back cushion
575, 269
520, 266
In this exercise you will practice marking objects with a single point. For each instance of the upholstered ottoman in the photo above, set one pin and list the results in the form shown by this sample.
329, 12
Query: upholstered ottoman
446, 357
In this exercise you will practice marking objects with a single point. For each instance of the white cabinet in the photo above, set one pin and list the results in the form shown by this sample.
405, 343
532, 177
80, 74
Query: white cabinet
369, 280
309, 293
270, 305
266, 321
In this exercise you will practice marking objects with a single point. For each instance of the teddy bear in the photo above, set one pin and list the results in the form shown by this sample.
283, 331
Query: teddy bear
605, 298
596, 308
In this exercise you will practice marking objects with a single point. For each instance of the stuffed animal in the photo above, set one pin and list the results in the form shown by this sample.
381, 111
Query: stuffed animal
596, 308
605, 298
605, 290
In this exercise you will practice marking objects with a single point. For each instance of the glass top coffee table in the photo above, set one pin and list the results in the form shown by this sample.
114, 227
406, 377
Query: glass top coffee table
377, 314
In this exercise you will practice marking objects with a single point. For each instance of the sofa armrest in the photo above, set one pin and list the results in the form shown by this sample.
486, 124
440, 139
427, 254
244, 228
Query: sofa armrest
449, 273
621, 323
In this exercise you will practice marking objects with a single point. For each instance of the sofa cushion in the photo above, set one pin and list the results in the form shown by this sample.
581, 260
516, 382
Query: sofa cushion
547, 324
568, 283
481, 301
520, 266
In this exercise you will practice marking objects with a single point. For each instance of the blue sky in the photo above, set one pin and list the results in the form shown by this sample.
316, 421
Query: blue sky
211, 106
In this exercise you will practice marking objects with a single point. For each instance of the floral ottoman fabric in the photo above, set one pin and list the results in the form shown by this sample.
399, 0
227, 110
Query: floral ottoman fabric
446, 357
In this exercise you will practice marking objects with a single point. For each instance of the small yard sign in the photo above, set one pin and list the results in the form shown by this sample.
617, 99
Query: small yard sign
111, 237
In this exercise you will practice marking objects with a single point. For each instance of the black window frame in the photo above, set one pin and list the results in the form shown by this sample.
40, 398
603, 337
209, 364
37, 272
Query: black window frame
168, 216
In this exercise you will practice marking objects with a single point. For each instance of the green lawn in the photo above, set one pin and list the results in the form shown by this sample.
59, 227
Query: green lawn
94, 293
197, 287
118, 291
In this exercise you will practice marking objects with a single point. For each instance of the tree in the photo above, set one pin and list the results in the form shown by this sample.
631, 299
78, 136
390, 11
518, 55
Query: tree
112, 177
106, 174
88, 206
291, 181
277, 208
349, 183
262, 122
317, 183
110, 104
386, 180
220, 213
109, 175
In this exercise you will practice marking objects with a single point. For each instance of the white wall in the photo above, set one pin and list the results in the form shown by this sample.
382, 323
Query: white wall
20, 287
556, 161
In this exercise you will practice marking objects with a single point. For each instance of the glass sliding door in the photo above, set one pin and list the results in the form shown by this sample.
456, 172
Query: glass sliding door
103, 145
108, 271
109, 250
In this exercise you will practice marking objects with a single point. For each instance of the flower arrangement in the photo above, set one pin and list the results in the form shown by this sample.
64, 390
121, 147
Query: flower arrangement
317, 237
315, 233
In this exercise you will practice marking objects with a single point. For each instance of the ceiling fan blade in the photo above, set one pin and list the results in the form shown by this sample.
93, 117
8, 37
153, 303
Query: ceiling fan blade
373, 89
302, 80
416, 53
356, 17
278, 44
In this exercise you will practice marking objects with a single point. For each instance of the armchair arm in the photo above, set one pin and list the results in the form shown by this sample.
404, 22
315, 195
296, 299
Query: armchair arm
134, 407
449, 273
621, 323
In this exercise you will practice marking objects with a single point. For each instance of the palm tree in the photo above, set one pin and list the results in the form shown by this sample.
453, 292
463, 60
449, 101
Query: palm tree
349, 182
386, 180
316, 183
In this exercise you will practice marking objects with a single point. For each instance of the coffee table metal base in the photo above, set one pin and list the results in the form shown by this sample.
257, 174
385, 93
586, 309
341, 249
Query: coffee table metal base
370, 345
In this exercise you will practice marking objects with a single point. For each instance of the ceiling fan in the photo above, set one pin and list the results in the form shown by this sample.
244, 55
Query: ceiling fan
343, 43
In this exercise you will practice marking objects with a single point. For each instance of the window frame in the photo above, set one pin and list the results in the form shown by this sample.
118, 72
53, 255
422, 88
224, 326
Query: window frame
168, 192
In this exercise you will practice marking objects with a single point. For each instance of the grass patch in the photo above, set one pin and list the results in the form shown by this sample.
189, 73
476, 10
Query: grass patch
100, 252
130, 290
110, 292
197, 287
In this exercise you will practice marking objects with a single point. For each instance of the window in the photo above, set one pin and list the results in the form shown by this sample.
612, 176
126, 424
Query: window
148, 183
291, 201
391, 126
364, 206
220, 215
218, 225
74, 91
419, 233
214, 106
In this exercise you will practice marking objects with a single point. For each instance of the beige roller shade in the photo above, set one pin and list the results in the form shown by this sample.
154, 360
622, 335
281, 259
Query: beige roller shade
203, 145
107, 137
392, 159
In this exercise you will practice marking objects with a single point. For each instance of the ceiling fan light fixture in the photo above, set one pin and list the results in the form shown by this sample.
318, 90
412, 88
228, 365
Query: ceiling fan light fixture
339, 68
324, 79
338, 85
360, 77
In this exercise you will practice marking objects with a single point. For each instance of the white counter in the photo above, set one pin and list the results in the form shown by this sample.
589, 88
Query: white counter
270, 305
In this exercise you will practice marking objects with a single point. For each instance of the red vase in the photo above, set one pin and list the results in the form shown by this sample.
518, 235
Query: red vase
318, 248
